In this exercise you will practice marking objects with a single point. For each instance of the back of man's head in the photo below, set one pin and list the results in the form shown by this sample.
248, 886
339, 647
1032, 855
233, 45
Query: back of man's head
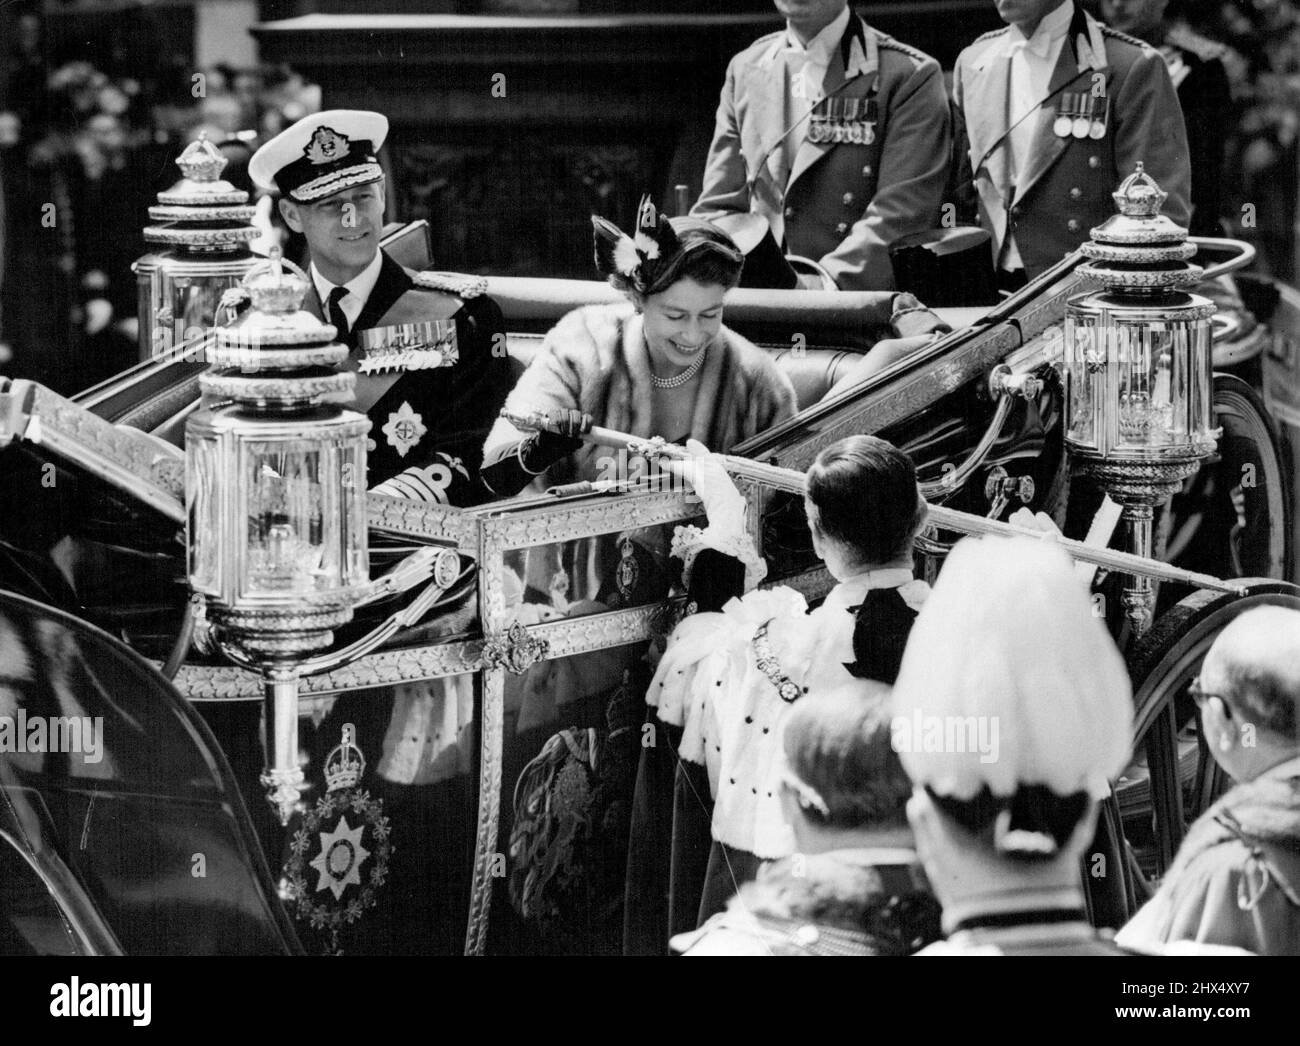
1254, 668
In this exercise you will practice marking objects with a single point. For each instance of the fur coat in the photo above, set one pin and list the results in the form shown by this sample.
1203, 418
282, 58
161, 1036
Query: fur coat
595, 360
843, 902
1236, 878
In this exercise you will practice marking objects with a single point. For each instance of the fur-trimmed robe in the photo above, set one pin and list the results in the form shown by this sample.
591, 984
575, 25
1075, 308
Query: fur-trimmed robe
843, 902
1246, 847
595, 360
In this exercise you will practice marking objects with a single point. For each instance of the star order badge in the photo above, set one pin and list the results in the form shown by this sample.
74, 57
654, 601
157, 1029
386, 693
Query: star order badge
404, 429
338, 857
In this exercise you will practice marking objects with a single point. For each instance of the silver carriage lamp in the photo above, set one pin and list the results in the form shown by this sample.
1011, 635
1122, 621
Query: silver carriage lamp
200, 250
1138, 416
276, 486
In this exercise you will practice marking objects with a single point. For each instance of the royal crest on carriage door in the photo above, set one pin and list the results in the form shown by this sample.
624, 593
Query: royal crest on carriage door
338, 857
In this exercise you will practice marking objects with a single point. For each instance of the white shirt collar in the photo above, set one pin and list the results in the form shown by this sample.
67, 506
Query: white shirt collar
1052, 29
358, 288
822, 46
852, 591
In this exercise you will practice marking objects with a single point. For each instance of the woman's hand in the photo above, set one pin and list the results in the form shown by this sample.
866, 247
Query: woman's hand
569, 425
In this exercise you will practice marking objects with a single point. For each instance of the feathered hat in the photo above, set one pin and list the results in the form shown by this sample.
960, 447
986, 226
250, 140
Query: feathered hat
1011, 689
635, 262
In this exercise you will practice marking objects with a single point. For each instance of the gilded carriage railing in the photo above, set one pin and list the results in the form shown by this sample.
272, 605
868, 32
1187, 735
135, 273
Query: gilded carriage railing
1024, 336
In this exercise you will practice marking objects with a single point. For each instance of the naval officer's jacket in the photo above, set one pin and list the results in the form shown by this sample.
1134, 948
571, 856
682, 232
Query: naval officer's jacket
881, 176
428, 426
1064, 190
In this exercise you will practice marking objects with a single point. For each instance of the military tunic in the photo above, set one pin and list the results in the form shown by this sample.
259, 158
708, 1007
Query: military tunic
428, 426
1130, 115
871, 166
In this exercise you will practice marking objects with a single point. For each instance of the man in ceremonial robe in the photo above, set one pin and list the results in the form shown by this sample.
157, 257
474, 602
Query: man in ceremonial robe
838, 135
1053, 112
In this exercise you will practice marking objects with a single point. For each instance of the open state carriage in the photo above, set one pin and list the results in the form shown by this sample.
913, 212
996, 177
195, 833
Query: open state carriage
165, 843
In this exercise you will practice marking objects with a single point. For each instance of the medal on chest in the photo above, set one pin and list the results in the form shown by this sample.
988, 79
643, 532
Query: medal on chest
1081, 115
841, 121
408, 346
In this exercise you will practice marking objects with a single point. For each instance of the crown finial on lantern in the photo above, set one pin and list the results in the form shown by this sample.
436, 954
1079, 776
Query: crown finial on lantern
1138, 195
276, 286
201, 161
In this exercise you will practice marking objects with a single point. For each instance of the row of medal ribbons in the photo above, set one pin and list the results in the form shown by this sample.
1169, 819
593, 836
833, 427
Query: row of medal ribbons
1081, 115
840, 120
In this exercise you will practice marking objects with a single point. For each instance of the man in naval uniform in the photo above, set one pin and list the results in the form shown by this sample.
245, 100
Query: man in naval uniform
1195, 65
1053, 112
430, 411
835, 133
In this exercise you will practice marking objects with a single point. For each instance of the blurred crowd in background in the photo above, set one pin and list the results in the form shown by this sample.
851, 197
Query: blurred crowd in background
96, 139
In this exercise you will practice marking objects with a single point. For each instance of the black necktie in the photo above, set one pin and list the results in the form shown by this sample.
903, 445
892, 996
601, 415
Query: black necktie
337, 316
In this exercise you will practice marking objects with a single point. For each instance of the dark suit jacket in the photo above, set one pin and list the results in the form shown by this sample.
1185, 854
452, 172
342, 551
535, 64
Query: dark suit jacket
1064, 190
1196, 69
455, 406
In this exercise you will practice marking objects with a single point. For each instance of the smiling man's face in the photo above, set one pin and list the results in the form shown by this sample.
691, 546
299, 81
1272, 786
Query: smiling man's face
342, 230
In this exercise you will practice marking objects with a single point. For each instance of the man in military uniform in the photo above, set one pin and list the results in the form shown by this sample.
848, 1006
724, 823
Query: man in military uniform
1196, 68
430, 410
1053, 112
835, 133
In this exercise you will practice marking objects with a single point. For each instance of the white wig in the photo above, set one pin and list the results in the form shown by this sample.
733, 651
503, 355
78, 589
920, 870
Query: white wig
1010, 678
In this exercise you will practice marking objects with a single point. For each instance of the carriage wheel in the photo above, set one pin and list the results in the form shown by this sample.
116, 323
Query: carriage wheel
1231, 519
1174, 778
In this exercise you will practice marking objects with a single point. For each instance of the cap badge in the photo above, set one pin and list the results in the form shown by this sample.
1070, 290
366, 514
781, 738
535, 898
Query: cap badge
326, 146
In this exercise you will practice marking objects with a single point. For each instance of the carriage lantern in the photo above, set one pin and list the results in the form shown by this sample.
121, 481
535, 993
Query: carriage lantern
275, 485
200, 239
1138, 366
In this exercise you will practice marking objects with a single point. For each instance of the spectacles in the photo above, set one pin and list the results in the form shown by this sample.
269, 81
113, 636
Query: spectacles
1200, 696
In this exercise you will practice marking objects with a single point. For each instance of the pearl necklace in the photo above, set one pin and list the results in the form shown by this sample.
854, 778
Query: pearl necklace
678, 380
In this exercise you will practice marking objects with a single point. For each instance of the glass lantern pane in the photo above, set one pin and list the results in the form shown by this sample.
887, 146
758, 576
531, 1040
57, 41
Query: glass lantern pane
204, 497
290, 514
1145, 354
353, 538
1080, 347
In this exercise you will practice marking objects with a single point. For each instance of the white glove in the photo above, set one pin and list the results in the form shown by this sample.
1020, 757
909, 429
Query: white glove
722, 502
1026, 520
725, 507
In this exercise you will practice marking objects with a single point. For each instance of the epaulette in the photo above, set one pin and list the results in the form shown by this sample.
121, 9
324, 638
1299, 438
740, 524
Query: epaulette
920, 57
1140, 44
1186, 38
991, 34
457, 283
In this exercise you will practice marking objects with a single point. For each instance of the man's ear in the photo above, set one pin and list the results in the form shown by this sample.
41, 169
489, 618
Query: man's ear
289, 212
1219, 723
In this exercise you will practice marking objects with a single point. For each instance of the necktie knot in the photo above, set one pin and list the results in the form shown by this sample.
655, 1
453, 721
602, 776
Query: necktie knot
336, 314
